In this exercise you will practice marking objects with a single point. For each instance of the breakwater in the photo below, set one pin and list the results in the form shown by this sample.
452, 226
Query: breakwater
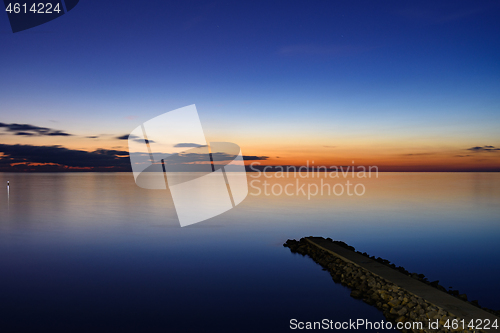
406, 299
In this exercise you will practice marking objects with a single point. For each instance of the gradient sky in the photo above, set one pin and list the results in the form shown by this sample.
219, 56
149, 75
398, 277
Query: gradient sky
410, 86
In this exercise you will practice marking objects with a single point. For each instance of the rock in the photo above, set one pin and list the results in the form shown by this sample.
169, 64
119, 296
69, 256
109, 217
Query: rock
431, 314
434, 283
403, 311
394, 303
410, 305
385, 296
394, 311
369, 300
356, 293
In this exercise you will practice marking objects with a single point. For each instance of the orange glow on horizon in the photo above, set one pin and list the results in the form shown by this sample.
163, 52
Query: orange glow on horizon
387, 155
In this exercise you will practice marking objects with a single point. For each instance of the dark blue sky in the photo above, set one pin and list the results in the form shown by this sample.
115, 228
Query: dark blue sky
264, 74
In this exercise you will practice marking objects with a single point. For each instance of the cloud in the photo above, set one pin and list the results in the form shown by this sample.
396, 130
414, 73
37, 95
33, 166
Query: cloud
254, 158
418, 154
61, 158
92, 137
135, 138
58, 133
25, 133
29, 130
483, 148
188, 145
57, 158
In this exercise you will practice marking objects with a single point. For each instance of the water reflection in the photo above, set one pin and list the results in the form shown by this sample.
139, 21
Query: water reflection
90, 242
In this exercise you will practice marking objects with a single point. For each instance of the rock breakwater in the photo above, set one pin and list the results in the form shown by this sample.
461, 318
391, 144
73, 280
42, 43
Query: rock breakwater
397, 304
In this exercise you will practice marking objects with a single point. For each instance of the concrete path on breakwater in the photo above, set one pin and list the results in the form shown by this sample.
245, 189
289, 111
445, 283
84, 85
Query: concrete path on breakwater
438, 298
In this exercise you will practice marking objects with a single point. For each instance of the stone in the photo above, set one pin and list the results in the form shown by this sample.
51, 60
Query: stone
431, 314
393, 303
403, 311
410, 305
369, 300
356, 293
385, 296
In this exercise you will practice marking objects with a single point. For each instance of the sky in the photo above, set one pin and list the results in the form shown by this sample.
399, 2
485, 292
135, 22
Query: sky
405, 86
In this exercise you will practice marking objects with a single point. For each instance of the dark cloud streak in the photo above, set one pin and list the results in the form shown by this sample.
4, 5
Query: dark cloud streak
112, 160
484, 148
135, 138
255, 158
188, 145
30, 130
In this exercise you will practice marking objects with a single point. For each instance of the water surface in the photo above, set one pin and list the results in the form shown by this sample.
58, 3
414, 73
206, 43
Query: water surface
93, 252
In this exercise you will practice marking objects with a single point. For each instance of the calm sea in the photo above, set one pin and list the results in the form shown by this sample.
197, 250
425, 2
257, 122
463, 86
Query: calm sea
92, 252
